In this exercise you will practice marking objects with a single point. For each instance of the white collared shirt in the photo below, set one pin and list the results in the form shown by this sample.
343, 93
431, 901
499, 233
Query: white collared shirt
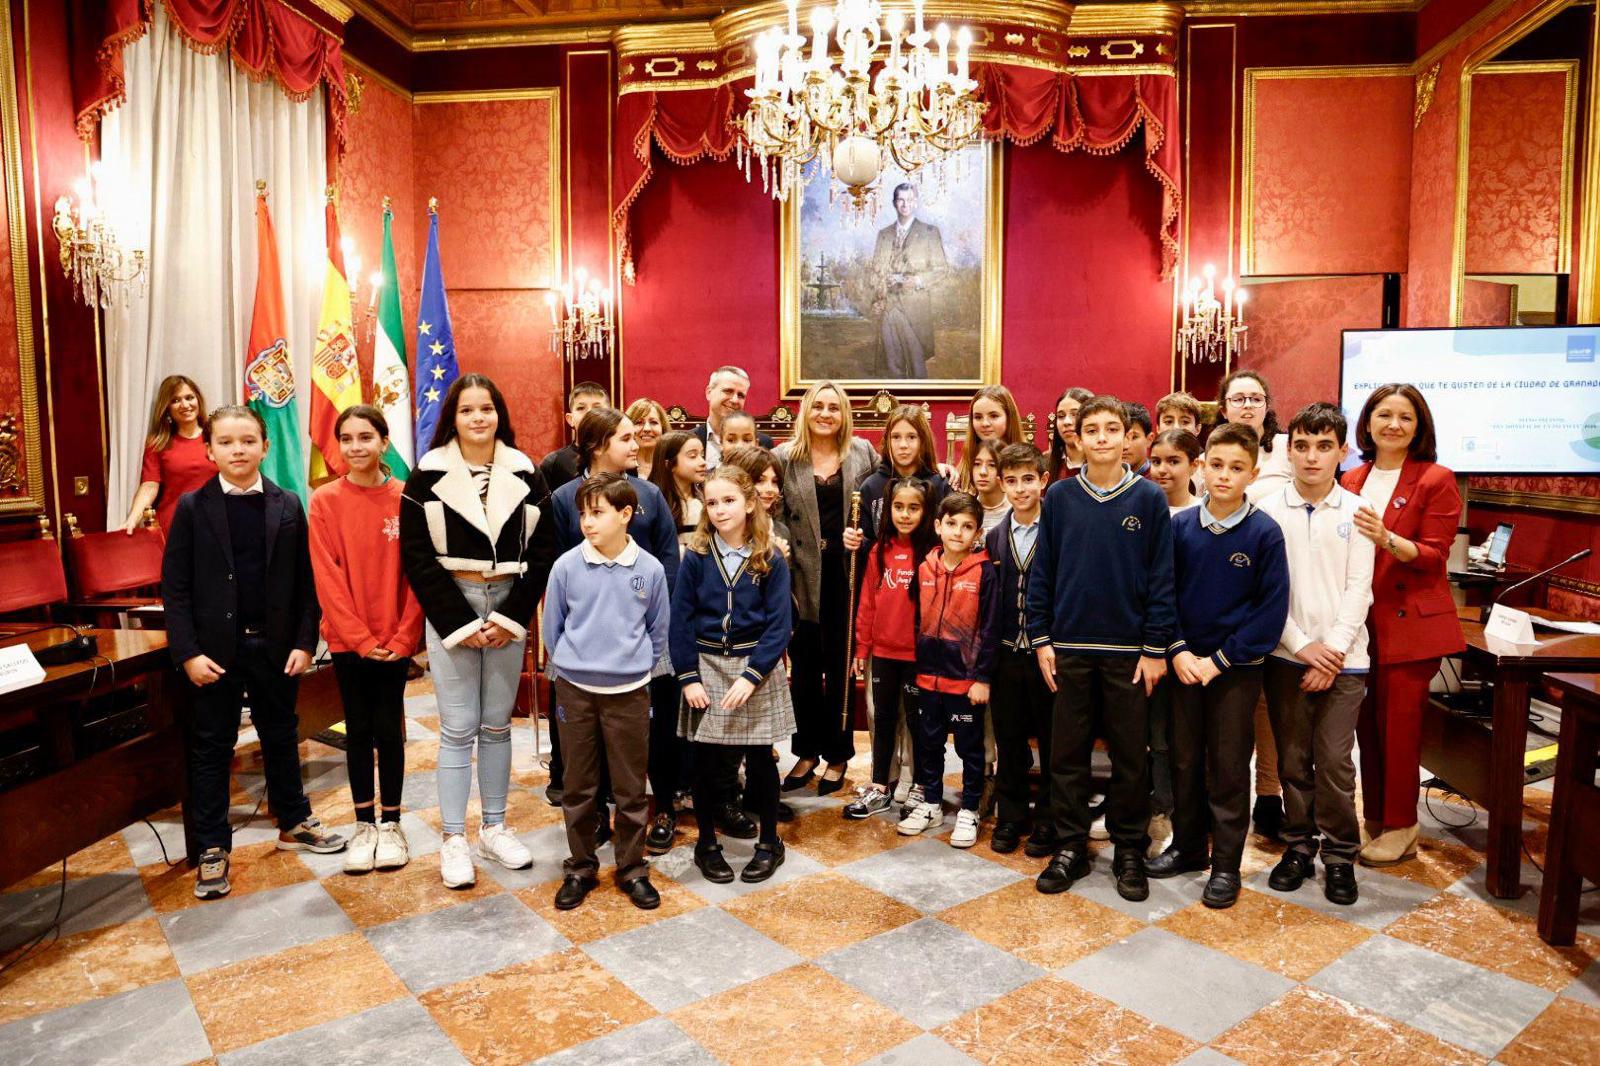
1330, 573
626, 557
230, 489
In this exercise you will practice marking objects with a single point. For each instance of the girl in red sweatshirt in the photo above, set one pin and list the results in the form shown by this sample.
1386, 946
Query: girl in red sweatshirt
372, 624
886, 631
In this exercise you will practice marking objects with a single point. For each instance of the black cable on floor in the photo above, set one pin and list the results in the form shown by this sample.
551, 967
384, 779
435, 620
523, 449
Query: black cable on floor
53, 931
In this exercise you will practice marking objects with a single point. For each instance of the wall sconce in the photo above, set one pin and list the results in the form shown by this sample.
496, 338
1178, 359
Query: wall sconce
91, 256
581, 324
1213, 330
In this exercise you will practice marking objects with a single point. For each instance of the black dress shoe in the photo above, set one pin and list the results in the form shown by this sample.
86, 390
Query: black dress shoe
658, 841
1068, 865
1007, 835
1132, 883
829, 785
1172, 862
764, 863
1041, 843
792, 783
1339, 883
1222, 890
713, 867
785, 812
573, 891
553, 794
641, 893
734, 822
1267, 817
1292, 871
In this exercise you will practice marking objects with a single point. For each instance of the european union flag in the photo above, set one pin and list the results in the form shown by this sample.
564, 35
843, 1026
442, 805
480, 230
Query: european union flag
436, 343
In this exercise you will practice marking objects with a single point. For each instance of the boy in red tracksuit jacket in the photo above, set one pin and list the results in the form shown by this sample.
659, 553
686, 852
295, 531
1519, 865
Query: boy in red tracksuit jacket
957, 604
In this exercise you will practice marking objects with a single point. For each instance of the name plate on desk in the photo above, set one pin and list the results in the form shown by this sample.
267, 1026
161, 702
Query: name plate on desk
18, 668
1510, 625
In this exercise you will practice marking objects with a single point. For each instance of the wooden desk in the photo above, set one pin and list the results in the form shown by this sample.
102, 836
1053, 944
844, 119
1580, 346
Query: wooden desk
1572, 854
1487, 765
87, 795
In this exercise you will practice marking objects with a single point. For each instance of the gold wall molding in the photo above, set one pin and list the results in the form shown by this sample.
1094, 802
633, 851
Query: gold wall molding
1535, 501
1248, 8
338, 9
1427, 81
21, 283
1588, 272
480, 96
370, 75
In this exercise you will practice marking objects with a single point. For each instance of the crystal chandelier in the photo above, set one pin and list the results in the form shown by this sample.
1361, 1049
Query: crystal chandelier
915, 111
580, 318
1213, 331
99, 268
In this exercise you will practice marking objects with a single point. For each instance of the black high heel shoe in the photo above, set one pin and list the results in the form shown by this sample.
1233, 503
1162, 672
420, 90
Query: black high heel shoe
827, 786
791, 782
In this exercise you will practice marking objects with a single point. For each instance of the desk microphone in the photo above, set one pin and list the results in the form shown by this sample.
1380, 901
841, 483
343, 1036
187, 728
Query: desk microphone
1547, 571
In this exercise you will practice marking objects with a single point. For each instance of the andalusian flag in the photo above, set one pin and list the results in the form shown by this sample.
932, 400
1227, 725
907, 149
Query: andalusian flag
335, 376
391, 382
268, 370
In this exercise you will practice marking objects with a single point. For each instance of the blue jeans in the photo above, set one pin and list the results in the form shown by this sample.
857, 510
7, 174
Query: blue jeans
475, 689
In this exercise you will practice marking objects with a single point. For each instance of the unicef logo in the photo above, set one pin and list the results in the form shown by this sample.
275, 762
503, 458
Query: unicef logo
1132, 524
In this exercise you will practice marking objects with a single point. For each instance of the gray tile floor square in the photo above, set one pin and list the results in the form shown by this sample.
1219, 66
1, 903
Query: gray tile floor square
89, 903
401, 1031
928, 971
1585, 988
924, 1050
1476, 1009
678, 864
679, 960
930, 875
1167, 895
1177, 983
229, 930
1207, 1057
657, 1042
464, 941
1385, 898
151, 1026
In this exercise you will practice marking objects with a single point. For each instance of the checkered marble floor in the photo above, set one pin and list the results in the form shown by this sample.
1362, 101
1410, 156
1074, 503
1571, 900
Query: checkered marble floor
866, 947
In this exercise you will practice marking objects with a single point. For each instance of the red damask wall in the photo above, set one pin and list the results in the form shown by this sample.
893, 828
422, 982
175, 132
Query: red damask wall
1486, 303
1514, 170
1295, 329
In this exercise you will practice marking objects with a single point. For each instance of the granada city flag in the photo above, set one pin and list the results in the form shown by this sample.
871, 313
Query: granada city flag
335, 375
391, 381
268, 370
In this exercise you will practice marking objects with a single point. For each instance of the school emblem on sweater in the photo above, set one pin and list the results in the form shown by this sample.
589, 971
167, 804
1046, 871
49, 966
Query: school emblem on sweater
1131, 523
638, 586
391, 527
269, 377
1239, 559
1343, 529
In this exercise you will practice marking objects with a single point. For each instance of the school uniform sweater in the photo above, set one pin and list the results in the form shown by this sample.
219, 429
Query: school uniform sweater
1233, 585
737, 614
651, 527
956, 612
1330, 572
361, 583
886, 617
1101, 580
1012, 570
605, 620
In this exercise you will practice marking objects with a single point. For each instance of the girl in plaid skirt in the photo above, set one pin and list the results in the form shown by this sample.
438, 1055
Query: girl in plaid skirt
730, 627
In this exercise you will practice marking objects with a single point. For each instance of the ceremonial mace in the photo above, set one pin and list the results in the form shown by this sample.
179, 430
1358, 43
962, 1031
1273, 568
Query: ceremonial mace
850, 632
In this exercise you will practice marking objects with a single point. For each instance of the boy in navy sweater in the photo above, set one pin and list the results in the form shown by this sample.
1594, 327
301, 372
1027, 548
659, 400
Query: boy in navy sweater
605, 625
1101, 615
1233, 596
1019, 700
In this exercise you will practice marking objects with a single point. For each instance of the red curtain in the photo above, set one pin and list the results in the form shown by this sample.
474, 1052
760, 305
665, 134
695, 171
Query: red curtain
1095, 114
267, 38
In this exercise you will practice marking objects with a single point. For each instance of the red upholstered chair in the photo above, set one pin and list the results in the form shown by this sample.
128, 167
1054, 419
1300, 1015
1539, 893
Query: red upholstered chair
114, 572
32, 578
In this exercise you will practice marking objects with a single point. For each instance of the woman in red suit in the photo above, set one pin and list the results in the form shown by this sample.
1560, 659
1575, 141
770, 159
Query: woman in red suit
1414, 507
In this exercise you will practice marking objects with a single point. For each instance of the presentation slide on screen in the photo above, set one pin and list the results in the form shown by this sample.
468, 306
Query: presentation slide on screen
1511, 401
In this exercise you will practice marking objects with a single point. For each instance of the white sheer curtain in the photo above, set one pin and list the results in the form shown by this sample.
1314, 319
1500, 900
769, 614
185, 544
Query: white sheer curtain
185, 151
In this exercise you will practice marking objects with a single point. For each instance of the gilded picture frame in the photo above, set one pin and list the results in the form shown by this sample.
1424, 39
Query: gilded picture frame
22, 481
955, 345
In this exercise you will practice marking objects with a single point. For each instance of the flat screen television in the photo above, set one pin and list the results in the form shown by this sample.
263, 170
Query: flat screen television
1505, 399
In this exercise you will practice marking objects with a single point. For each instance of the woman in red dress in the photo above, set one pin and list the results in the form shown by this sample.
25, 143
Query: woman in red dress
175, 456
1412, 513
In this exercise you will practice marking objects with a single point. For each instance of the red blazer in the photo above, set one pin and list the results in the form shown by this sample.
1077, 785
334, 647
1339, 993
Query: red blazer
1413, 616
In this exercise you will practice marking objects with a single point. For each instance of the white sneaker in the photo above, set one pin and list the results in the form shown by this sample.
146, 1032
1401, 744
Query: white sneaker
1160, 833
922, 817
455, 862
392, 851
965, 833
912, 801
902, 790
359, 857
497, 842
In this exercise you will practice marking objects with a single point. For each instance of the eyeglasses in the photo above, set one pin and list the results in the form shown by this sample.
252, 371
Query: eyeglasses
1248, 401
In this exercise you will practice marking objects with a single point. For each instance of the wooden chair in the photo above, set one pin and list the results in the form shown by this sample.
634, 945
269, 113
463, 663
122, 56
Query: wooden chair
32, 578
869, 418
114, 573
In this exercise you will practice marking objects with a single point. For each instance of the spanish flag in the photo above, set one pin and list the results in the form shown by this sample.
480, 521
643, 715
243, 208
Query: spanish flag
268, 369
335, 377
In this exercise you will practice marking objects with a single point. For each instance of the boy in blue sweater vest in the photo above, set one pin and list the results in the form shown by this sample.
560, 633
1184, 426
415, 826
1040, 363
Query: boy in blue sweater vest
605, 624
1101, 615
1233, 596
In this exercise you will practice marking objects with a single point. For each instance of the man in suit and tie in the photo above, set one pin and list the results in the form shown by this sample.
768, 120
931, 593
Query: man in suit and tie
725, 393
908, 264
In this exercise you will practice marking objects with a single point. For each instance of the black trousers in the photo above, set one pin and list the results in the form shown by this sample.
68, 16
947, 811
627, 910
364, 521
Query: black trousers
1022, 706
894, 689
820, 678
667, 748
1161, 744
1213, 734
1095, 694
257, 669
713, 764
942, 713
374, 697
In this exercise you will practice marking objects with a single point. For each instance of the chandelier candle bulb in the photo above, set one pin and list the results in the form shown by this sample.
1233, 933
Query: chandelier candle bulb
917, 7
963, 46
820, 23
794, 18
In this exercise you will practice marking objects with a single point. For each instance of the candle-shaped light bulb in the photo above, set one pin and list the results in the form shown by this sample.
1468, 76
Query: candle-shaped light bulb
917, 11
550, 302
581, 275
1227, 297
941, 35
1194, 286
963, 47
376, 283
1238, 306
821, 22
794, 18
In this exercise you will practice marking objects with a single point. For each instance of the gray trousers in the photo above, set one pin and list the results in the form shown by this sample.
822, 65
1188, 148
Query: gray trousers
618, 724
1316, 733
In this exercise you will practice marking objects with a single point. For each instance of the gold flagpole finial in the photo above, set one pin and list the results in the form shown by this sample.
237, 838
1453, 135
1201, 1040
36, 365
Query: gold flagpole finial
330, 191
386, 200
433, 205
261, 187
